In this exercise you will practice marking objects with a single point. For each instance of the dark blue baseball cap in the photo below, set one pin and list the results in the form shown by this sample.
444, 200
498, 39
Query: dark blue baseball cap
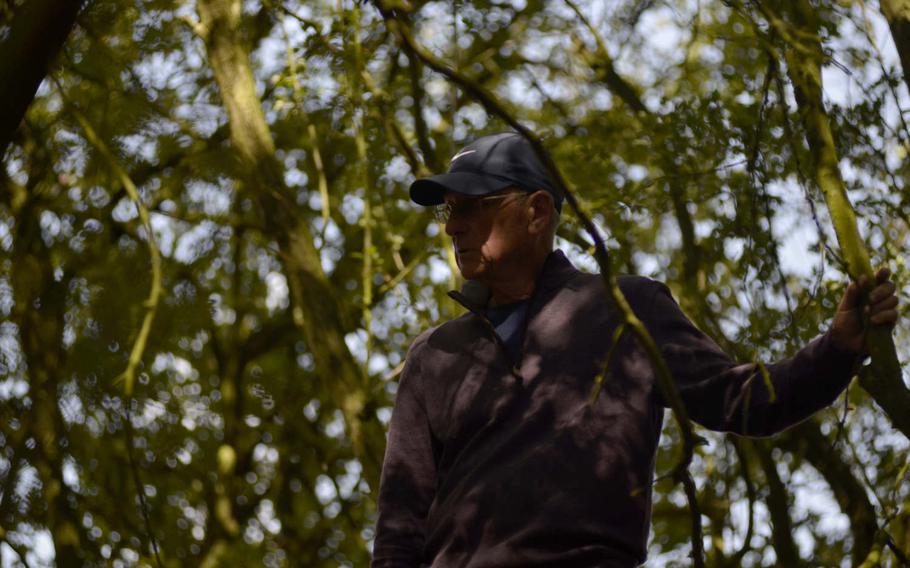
488, 165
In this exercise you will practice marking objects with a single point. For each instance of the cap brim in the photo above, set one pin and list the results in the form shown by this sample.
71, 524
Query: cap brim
430, 191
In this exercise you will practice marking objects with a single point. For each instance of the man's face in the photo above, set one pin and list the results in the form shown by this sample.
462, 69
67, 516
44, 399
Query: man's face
488, 233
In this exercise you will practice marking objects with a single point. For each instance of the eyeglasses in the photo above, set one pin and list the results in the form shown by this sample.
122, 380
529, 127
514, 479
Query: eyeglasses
468, 207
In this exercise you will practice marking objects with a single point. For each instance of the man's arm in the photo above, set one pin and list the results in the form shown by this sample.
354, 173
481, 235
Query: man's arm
408, 481
723, 395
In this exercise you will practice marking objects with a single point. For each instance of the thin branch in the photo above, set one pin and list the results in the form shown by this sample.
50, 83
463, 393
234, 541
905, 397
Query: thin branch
736, 559
898, 553
315, 25
297, 96
599, 380
777, 502
402, 274
137, 480
602, 64
867, 30
365, 179
151, 304
194, 218
650, 181
790, 134
17, 550
758, 177
430, 157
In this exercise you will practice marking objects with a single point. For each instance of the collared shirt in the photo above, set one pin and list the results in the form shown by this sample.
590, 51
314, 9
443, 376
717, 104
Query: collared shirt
509, 322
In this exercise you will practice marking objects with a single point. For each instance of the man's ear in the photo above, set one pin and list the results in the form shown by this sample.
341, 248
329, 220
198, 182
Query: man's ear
541, 203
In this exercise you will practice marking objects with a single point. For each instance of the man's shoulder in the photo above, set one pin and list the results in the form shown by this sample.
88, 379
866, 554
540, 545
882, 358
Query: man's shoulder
449, 333
636, 289
640, 289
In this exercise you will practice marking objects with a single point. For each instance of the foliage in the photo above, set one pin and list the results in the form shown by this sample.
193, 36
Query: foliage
242, 442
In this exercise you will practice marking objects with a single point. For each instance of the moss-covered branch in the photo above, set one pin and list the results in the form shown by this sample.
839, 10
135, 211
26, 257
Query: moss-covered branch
151, 304
315, 306
804, 60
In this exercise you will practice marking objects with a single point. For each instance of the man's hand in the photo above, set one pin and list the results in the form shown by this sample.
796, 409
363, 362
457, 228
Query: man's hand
848, 331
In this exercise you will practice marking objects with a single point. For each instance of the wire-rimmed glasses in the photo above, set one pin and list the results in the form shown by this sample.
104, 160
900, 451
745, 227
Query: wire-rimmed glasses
467, 207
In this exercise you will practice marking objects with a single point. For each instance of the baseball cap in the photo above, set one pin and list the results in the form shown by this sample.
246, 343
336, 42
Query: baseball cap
487, 165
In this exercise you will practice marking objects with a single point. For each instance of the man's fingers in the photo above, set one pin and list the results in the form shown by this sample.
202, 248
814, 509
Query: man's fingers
882, 291
884, 317
882, 274
886, 304
851, 297
880, 298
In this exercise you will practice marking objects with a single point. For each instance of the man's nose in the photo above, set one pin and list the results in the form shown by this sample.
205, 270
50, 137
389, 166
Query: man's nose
455, 225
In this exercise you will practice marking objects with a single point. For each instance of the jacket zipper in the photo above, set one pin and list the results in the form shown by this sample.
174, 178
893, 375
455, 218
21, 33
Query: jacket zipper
514, 365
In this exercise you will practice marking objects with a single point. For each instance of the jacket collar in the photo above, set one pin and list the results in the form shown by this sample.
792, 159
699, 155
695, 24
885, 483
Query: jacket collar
557, 269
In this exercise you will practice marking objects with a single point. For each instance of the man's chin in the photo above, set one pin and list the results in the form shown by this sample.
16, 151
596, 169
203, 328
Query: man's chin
470, 270
469, 274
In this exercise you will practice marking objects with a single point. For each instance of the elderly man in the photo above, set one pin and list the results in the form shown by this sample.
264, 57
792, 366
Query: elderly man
495, 456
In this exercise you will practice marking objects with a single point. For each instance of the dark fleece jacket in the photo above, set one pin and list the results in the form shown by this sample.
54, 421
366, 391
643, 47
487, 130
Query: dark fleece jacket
496, 463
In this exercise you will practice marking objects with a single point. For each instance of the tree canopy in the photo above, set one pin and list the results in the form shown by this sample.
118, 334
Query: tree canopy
211, 270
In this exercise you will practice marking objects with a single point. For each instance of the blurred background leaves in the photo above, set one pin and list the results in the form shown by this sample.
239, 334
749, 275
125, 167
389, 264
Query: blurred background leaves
296, 276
